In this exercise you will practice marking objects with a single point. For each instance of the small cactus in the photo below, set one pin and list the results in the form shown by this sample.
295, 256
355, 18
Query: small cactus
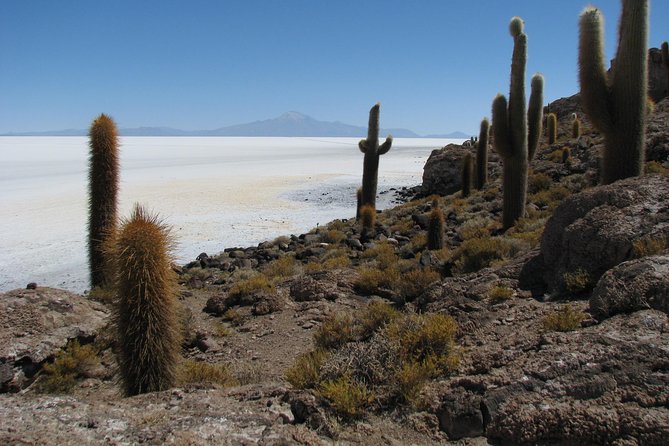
435, 229
103, 180
516, 132
575, 126
552, 128
372, 150
145, 314
467, 174
482, 155
616, 102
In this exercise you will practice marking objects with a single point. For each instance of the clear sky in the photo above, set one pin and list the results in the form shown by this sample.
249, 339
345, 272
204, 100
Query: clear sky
435, 65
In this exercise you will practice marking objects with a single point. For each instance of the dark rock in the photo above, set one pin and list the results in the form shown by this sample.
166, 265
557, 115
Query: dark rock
460, 415
631, 286
306, 288
31, 286
421, 220
267, 303
442, 171
593, 231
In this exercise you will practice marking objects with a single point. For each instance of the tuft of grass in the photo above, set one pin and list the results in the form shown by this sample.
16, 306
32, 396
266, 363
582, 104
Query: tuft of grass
371, 280
478, 253
347, 398
550, 198
577, 281
334, 236
414, 283
376, 315
335, 331
567, 318
199, 372
255, 283
383, 253
305, 372
644, 247
500, 293
233, 316
283, 267
539, 181
69, 365
411, 379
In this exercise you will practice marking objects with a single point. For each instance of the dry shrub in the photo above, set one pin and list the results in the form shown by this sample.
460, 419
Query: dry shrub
255, 283
550, 198
199, 372
372, 280
644, 247
475, 228
539, 181
335, 331
411, 379
233, 316
478, 253
75, 362
414, 283
376, 315
347, 398
333, 236
567, 318
655, 167
305, 373
383, 253
280, 268
577, 281
500, 293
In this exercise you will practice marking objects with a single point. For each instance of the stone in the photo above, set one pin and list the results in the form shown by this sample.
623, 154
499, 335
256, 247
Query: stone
442, 171
36, 324
631, 286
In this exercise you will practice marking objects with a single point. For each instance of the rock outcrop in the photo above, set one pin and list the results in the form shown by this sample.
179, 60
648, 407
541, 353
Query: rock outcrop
36, 324
442, 171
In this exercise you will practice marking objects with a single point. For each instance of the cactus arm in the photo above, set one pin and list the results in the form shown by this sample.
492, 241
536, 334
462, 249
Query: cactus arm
373, 127
385, 147
362, 145
482, 155
500, 126
592, 71
535, 113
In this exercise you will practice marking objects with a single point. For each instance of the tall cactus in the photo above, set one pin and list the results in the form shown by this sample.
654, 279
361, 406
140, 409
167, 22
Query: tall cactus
516, 132
103, 179
616, 103
146, 313
372, 150
435, 229
665, 61
552, 128
482, 155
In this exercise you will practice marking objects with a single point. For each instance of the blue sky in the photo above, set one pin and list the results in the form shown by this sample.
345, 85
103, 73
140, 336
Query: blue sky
435, 66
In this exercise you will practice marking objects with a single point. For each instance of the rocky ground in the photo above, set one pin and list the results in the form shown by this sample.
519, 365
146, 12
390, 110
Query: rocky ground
561, 332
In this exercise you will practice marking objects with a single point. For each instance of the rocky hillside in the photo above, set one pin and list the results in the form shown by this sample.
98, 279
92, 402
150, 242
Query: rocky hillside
553, 332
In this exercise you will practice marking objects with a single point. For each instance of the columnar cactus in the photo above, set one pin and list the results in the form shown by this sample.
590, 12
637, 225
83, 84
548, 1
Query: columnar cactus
516, 132
146, 315
103, 179
482, 155
575, 126
467, 174
552, 128
372, 150
435, 229
665, 61
616, 103
368, 218
358, 196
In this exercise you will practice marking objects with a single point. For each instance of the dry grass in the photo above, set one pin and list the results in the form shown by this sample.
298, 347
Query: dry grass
283, 267
68, 366
567, 318
347, 398
335, 331
198, 372
305, 373
255, 283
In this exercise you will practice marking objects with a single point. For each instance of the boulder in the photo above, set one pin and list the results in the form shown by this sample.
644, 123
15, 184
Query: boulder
657, 136
443, 170
631, 286
593, 231
36, 324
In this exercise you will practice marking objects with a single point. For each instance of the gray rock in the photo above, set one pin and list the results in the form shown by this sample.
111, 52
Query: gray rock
36, 324
442, 171
631, 286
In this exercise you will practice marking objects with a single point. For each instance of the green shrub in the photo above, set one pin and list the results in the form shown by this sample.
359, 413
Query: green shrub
347, 398
199, 372
335, 331
566, 318
69, 365
304, 374
476, 254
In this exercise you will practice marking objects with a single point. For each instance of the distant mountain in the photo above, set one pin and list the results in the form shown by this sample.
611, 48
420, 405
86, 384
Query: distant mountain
452, 135
290, 124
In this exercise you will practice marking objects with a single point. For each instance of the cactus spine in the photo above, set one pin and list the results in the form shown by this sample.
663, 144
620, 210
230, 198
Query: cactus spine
552, 128
435, 229
467, 174
575, 126
372, 150
616, 104
665, 61
146, 316
482, 155
513, 140
103, 179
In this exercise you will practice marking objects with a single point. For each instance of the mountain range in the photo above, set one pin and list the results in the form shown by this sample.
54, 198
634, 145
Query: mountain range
290, 124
